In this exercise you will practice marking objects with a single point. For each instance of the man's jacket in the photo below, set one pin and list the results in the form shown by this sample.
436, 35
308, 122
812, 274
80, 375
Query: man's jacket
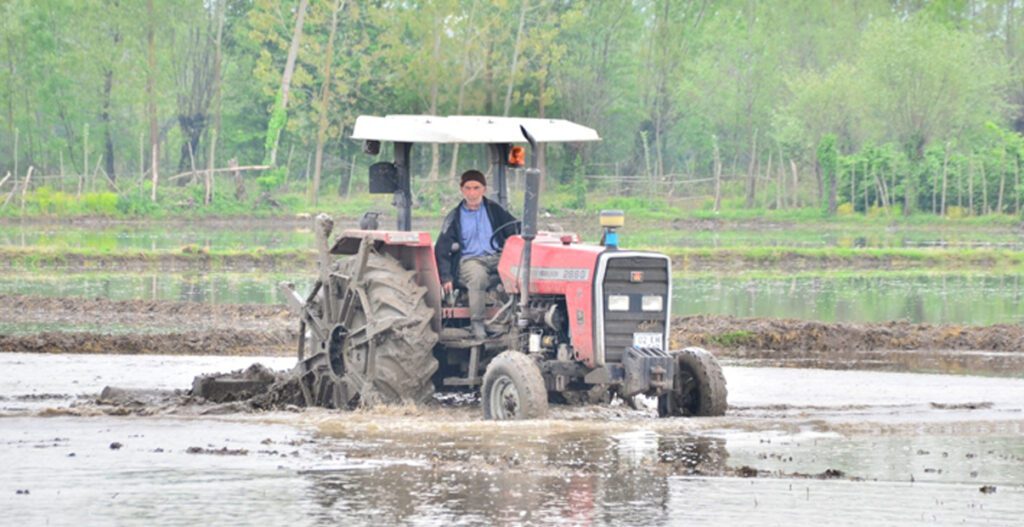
448, 254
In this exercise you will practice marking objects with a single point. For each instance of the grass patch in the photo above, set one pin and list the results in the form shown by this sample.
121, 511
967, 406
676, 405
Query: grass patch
733, 339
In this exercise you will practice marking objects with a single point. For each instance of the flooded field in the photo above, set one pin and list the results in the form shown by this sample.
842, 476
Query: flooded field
200, 287
939, 299
797, 446
918, 417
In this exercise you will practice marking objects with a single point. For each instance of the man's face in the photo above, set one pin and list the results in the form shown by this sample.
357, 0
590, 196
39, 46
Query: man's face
473, 191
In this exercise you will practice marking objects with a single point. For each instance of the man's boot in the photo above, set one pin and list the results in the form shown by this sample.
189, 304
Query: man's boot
479, 331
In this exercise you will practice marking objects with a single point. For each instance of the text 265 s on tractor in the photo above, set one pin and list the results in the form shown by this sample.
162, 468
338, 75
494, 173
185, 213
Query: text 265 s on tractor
593, 322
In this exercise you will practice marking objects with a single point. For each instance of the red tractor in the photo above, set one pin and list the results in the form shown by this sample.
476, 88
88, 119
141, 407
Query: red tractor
593, 323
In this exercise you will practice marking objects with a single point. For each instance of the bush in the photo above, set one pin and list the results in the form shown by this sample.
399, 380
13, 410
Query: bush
104, 203
956, 213
135, 205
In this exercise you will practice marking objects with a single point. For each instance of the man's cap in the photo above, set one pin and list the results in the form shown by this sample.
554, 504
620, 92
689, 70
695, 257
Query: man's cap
473, 175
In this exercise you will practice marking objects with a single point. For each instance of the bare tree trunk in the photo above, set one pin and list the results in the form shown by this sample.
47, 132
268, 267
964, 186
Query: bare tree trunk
345, 180
240, 193
1002, 181
289, 70
14, 188
796, 183
467, 78
960, 186
945, 179
85, 161
325, 94
1016, 184
288, 166
24, 189
210, 163
17, 135
718, 174
883, 189
821, 182
970, 186
515, 57
192, 163
751, 173
211, 160
984, 188
781, 197
435, 149
542, 149
142, 161
108, 86
154, 129
853, 185
867, 185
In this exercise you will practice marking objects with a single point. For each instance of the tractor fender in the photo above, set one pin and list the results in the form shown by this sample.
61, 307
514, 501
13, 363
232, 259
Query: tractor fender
414, 250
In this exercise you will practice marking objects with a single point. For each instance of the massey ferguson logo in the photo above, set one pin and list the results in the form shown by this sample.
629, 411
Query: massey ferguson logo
636, 276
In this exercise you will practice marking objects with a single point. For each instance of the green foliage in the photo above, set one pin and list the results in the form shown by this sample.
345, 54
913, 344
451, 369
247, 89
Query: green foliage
906, 105
271, 179
136, 205
579, 184
47, 201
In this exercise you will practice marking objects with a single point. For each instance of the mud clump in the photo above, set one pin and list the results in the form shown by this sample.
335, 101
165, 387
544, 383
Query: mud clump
257, 384
225, 451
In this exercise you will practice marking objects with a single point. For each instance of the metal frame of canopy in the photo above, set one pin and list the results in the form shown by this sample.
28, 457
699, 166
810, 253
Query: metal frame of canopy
498, 133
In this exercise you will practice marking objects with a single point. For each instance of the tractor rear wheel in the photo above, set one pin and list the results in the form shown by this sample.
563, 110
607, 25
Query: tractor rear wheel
698, 389
384, 353
513, 388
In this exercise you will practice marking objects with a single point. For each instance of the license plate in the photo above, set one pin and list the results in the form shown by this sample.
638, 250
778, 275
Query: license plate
647, 340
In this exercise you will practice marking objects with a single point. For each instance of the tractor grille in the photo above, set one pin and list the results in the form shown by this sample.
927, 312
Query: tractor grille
634, 277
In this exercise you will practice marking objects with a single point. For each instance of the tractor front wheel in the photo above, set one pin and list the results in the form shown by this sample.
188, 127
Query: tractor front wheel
514, 388
698, 389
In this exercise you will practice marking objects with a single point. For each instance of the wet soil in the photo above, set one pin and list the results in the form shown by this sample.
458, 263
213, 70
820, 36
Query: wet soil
158, 328
188, 328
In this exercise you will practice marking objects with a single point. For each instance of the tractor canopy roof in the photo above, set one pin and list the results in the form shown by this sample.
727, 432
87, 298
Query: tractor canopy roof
468, 129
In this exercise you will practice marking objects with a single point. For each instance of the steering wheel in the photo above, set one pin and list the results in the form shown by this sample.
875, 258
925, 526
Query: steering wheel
493, 242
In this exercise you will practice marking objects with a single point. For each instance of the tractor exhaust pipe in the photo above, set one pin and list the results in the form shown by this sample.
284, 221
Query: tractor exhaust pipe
530, 205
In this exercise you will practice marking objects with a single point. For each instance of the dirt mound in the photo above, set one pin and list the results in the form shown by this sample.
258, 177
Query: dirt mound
54, 306
739, 334
209, 342
81, 325
145, 327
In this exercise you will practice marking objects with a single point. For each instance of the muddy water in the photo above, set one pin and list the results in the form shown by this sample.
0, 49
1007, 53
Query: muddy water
200, 287
797, 446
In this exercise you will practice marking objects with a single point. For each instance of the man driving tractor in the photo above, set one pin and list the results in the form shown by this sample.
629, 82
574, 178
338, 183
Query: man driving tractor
470, 243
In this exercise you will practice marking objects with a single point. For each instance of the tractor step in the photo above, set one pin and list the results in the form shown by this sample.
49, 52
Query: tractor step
463, 381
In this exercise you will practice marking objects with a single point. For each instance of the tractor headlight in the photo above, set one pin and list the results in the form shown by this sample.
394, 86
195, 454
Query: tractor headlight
618, 303
652, 303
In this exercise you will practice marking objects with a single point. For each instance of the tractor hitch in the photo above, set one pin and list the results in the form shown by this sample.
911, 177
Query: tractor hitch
647, 369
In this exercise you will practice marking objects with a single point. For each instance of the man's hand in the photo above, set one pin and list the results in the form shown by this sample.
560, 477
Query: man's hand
447, 286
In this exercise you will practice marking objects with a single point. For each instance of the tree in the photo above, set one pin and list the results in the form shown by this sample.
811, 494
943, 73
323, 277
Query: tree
325, 94
927, 83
